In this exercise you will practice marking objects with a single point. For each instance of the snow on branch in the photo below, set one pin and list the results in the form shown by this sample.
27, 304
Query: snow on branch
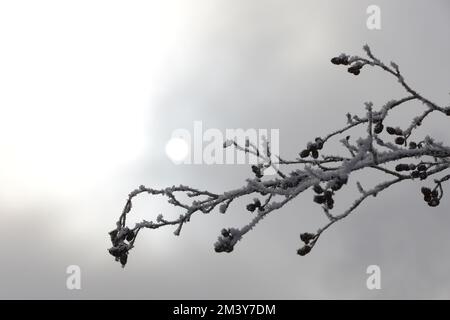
392, 151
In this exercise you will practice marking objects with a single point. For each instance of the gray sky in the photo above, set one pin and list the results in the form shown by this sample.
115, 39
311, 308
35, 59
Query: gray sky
91, 91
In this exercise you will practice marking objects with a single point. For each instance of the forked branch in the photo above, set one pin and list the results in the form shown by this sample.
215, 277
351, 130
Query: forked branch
391, 151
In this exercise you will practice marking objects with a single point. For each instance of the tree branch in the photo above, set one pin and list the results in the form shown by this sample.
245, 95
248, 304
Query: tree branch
425, 158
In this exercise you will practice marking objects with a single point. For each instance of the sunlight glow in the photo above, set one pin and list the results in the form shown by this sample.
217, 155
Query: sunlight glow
177, 149
78, 81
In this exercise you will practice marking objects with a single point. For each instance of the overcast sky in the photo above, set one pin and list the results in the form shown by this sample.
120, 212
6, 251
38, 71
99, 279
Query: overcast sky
91, 91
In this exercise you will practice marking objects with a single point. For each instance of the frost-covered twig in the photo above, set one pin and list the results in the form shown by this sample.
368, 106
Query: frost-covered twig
389, 150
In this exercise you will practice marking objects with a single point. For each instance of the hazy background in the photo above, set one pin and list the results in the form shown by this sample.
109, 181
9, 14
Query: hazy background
90, 92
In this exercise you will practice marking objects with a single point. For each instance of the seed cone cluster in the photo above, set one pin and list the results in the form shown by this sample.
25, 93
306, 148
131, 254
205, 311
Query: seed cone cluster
306, 238
225, 243
431, 196
312, 148
119, 250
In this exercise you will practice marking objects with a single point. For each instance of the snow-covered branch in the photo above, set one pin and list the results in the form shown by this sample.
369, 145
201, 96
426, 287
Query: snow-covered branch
392, 151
